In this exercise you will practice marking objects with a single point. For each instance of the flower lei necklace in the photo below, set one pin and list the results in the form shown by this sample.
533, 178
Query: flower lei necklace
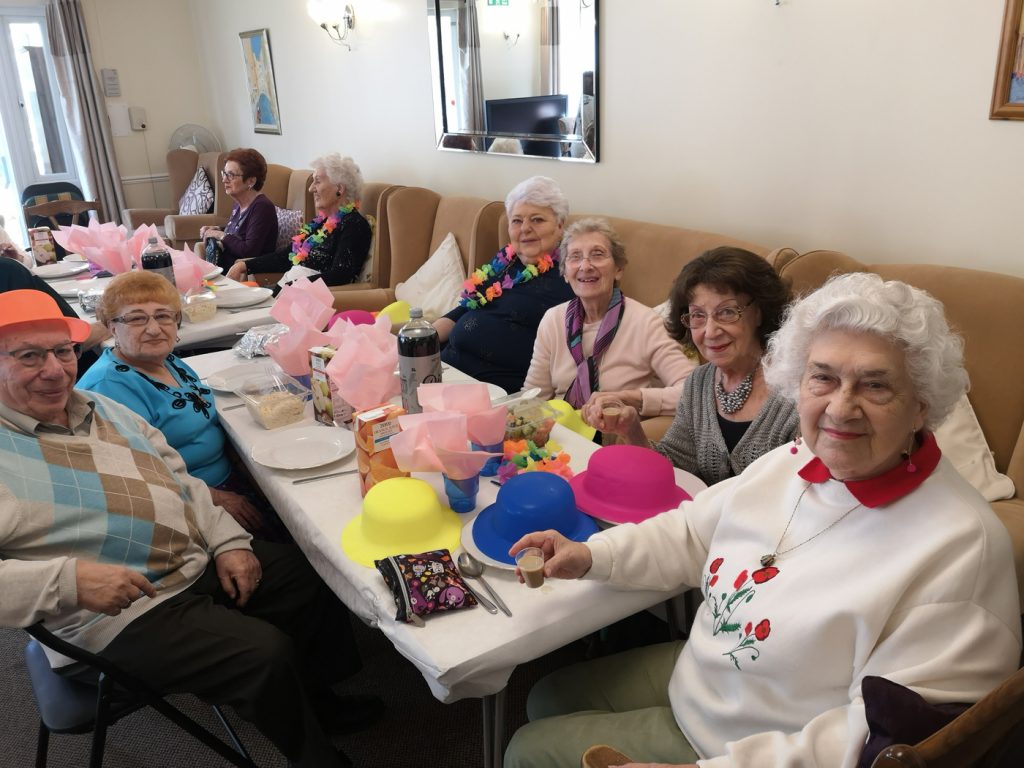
306, 239
497, 272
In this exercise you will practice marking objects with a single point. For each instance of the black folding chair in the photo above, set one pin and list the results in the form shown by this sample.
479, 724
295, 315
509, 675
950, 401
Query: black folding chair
71, 706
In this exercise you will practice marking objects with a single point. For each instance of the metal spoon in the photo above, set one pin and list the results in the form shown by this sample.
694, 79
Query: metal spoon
473, 568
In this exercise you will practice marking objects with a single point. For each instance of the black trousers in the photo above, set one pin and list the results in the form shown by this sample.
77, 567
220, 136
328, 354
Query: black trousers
292, 637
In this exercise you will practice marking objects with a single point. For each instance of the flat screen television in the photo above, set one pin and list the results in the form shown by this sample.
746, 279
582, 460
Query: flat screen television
528, 114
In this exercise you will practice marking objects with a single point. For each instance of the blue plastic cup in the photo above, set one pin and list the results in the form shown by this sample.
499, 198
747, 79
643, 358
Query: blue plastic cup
462, 493
490, 469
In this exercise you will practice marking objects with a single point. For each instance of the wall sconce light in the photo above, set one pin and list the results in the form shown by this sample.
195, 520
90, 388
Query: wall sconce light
334, 18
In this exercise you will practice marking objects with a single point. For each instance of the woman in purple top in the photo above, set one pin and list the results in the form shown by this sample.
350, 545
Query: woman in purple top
252, 228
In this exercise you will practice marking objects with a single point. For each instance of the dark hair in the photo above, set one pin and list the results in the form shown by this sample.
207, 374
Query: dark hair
252, 164
735, 270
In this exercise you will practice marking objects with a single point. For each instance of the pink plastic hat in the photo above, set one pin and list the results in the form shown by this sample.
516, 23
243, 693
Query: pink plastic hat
627, 484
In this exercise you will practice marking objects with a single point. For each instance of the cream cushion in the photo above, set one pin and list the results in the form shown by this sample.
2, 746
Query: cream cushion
963, 443
435, 286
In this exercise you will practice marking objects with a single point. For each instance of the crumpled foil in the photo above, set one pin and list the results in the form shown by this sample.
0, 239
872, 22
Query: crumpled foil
254, 342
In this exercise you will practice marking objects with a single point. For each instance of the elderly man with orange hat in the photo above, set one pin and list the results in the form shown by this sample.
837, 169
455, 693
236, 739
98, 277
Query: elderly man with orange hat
107, 540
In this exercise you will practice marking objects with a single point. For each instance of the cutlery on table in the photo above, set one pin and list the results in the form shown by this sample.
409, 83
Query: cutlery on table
487, 604
470, 566
523, 394
310, 479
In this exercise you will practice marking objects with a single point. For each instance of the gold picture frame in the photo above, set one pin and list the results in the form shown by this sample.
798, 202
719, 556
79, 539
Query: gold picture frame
259, 76
1008, 92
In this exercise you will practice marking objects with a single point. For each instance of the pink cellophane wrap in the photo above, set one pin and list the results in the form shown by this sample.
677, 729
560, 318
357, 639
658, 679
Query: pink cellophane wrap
107, 246
363, 366
436, 442
291, 350
485, 423
304, 303
188, 270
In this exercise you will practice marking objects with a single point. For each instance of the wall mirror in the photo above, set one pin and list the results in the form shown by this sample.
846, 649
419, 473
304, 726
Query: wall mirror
516, 76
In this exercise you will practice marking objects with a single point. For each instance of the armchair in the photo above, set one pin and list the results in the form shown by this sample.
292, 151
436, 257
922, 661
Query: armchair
180, 229
181, 167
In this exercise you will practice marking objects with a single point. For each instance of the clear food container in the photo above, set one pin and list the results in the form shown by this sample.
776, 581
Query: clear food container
199, 307
530, 420
274, 400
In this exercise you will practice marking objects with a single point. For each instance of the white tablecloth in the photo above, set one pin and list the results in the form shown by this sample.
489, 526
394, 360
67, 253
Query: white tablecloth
463, 653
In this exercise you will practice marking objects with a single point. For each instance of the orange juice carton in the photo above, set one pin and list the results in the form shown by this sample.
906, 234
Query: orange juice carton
329, 407
41, 242
374, 428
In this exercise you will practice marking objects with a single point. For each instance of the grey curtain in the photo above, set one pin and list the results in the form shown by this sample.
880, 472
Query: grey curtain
84, 106
549, 47
471, 99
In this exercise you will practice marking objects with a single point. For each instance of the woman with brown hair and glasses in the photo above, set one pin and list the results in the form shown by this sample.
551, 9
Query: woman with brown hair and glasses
142, 311
727, 303
252, 227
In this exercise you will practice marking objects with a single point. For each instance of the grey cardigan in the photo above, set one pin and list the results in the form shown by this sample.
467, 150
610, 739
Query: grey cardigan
694, 441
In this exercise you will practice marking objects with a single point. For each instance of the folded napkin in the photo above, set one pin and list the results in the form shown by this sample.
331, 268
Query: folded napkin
437, 442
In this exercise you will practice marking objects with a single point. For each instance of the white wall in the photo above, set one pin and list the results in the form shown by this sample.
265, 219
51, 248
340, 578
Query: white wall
858, 125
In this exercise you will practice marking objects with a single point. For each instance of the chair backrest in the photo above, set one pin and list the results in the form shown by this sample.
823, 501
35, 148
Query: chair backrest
51, 191
181, 168
374, 205
213, 164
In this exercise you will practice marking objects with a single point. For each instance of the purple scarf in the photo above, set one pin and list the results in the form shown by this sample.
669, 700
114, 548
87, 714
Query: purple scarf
586, 380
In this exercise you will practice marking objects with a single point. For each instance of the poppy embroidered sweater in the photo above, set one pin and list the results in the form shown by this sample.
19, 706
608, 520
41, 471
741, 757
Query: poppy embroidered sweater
920, 590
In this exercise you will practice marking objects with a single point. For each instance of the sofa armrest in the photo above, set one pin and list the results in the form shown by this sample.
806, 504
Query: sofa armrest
134, 218
656, 427
1011, 512
181, 228
369, 299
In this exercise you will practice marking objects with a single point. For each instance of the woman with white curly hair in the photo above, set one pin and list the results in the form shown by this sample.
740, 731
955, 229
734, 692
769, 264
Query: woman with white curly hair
334, 244
857, 551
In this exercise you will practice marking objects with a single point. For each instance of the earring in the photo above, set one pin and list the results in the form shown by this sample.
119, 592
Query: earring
911, 466
797, 442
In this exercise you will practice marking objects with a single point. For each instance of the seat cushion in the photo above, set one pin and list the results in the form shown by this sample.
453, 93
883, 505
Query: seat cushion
288, 224
198, 197
435, 287
66, 706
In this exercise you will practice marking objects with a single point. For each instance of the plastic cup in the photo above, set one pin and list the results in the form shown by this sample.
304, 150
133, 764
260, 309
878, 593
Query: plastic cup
490, 469
610, 413
531, 564
462, 493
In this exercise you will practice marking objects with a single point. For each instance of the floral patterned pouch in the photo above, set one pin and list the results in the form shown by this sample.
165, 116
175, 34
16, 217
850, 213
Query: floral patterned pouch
423, 584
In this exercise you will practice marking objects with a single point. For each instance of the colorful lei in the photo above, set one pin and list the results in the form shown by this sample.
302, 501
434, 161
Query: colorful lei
306, 238
476, 294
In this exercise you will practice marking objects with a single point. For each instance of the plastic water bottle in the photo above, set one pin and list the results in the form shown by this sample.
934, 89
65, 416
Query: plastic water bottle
419, 358
157, 259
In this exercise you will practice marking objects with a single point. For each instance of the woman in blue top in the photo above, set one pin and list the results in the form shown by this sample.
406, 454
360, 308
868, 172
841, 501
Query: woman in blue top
142, 310
490, 334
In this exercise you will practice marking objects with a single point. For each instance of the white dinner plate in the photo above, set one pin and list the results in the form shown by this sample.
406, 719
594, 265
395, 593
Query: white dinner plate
304, 447
214, 272
231, 298
470, 546
61, 269
75, 257
230, 379
69, 288
493, 391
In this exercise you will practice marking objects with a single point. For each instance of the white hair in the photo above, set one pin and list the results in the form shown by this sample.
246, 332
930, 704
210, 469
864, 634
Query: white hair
864, 303
342, 171
541, 191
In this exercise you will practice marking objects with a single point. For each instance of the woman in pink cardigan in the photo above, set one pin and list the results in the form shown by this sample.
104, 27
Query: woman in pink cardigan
602, 346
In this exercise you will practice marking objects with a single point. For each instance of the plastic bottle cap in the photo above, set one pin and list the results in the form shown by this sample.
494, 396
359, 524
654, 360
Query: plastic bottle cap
153, 240
415, 312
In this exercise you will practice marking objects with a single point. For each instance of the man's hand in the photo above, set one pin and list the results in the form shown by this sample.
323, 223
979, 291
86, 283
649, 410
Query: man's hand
239, 572
563, 559
109, 588
239, 507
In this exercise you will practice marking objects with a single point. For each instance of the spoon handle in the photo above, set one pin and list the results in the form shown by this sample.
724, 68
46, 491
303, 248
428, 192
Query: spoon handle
487, 604
494, 596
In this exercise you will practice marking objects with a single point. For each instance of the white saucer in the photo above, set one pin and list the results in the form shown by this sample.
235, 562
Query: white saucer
60, 269
245, 296
214, 272
304, 447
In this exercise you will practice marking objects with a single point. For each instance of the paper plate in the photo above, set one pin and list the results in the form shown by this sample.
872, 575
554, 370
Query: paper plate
69, 288
232, 298
214, 272
230, 379
61, 269
304, 447
470, 546
75, 257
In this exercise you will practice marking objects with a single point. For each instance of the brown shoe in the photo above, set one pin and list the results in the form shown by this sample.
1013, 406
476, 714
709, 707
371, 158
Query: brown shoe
601, 756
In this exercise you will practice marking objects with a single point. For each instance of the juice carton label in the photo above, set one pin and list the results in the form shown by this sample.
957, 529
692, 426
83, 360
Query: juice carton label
328, 406
373, 430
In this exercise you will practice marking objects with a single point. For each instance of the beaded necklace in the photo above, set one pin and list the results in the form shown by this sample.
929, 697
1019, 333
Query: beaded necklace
306, 239
477, 295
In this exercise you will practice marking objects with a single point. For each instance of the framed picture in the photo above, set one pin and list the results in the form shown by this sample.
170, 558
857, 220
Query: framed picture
259, 74
1008, 94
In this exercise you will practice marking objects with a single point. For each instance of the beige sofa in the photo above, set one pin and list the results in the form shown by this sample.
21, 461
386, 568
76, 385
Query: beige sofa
988, 310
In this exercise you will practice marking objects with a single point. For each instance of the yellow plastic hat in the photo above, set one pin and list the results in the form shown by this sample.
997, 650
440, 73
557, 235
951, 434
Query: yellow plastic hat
401, 516
570, 418
398, 311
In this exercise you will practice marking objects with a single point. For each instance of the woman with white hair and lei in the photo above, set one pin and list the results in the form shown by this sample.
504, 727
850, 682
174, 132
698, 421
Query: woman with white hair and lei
490, 334
857, 551
334, 244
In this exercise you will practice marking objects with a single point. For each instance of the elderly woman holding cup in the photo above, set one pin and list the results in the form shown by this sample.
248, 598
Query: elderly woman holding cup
601, 348
858, 547
727, 303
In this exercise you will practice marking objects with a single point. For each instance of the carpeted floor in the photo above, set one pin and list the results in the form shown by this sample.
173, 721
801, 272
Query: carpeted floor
416, 731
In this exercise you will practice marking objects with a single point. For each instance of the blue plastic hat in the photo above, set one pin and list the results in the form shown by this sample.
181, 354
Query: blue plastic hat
532, 501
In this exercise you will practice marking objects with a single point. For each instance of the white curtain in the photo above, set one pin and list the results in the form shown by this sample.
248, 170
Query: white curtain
471, 100
549, 47
84, 106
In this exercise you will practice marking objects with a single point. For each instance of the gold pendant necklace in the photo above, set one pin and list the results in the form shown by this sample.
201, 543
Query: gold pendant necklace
771, 557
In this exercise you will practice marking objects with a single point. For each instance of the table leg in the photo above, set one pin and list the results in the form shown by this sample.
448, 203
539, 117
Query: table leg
494, 728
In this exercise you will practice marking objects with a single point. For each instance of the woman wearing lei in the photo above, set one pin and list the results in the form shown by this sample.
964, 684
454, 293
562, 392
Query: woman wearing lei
337, 241
490, 335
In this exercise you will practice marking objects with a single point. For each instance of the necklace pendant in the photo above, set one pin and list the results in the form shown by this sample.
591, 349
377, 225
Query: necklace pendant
767, 560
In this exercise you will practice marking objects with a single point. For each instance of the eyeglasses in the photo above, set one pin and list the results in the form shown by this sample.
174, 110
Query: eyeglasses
141, 319
225, 175
723, 316
596, 259
35, 357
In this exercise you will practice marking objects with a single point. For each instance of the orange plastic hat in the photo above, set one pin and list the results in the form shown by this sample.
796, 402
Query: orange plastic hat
30, 306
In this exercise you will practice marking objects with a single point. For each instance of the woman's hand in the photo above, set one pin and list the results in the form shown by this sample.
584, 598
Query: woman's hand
238, 270
563, 559
215, 232
443, 326
610, 415
239, 507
